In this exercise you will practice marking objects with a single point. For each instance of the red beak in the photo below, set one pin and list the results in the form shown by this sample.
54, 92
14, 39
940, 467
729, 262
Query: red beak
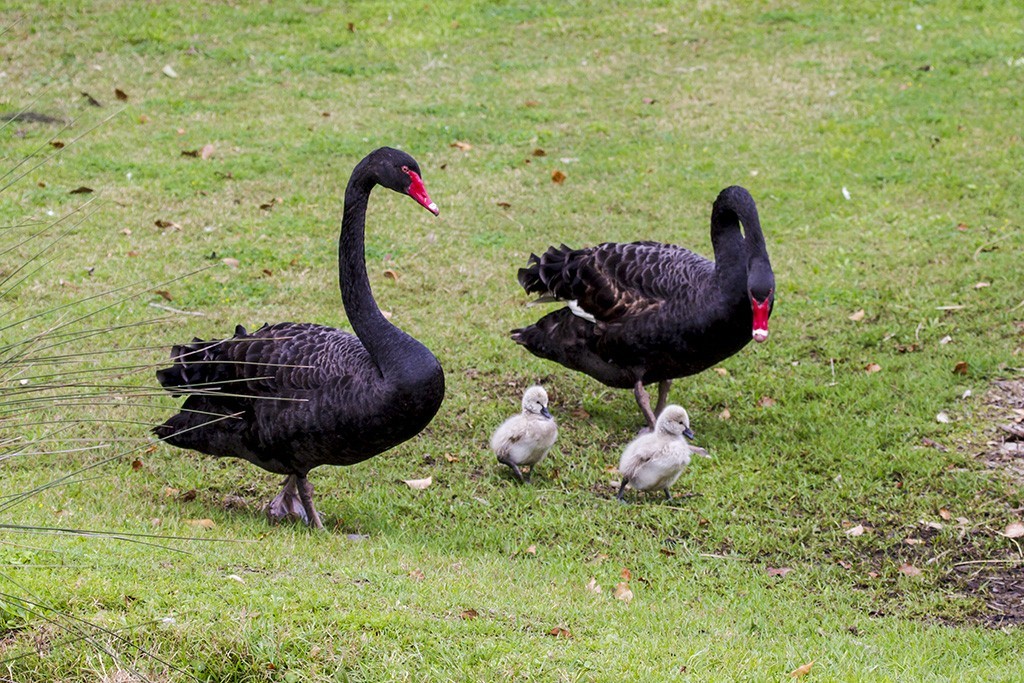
761, 309
419, 193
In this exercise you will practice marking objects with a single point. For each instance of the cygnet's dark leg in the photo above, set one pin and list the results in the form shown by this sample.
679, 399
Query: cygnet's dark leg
515, 468
306, 497
663, 388
287, 504
622, 490
644, 401
668, 496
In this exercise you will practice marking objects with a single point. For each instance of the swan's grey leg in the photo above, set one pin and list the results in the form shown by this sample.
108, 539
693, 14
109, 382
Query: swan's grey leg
663, 388
515, 468
644, 401
622, 490
306, 497
287, 504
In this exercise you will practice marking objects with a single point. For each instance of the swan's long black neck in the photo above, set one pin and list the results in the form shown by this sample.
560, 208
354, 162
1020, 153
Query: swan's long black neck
737, 254
387, 345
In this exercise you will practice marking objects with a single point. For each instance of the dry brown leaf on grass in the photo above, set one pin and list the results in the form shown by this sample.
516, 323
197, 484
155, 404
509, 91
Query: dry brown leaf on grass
391, 274
722, 372
945, 514
1013, 530
593, 586
909, 570
531, 550
872, 367
766, 402
469, 614
121, 95
417, 575
137, 464
82, 189
204, 523
856, 530
418, 484
778, 571
558, 177
169, 71
960, 368
164, 293
725, 414
857, 315
560, 632
206, 151
622, 592
802, 671
464, 146
230, 262
163, 224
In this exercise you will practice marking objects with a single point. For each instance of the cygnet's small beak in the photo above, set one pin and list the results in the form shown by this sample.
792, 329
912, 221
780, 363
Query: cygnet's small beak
545, 412
688, 433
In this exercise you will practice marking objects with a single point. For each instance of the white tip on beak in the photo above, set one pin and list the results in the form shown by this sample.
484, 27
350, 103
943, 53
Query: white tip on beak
432, 208
760, 335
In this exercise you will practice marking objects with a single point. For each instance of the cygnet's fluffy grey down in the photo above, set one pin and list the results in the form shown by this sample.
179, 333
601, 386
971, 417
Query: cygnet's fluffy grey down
653, 462
524, 439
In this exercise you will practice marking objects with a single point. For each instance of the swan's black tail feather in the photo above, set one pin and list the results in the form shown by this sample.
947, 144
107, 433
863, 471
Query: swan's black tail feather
201, 366
543, 274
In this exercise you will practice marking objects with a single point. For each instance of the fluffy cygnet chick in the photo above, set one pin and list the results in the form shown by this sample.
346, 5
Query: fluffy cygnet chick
653, 462
524, 439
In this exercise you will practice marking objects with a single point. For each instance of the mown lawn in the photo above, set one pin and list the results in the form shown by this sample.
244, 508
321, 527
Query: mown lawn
840, 522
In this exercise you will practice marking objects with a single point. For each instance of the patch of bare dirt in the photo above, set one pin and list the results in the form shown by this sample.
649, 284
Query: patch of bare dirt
1000, 584
999, 581
1004, 444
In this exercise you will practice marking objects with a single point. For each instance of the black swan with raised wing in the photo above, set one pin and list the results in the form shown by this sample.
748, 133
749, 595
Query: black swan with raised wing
293, 396
647, 312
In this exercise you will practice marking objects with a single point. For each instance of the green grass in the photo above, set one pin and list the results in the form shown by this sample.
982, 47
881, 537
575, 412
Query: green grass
649, 109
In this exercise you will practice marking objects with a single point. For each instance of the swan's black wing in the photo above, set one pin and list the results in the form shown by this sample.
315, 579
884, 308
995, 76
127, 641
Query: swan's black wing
275, 361
259, 391
615, 281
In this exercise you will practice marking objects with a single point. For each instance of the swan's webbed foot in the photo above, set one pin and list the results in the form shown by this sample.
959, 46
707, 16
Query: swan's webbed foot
295, 501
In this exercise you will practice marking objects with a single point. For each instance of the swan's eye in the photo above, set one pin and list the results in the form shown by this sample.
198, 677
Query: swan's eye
405, 169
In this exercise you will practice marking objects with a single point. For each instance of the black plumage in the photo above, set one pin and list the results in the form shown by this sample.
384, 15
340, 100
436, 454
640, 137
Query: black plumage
290, 397
643, 312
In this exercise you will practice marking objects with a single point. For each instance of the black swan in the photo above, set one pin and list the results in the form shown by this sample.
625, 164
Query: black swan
647, 312
293, 396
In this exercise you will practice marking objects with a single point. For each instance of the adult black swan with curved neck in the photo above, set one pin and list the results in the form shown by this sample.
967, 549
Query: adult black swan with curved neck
293, 396
647, 312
